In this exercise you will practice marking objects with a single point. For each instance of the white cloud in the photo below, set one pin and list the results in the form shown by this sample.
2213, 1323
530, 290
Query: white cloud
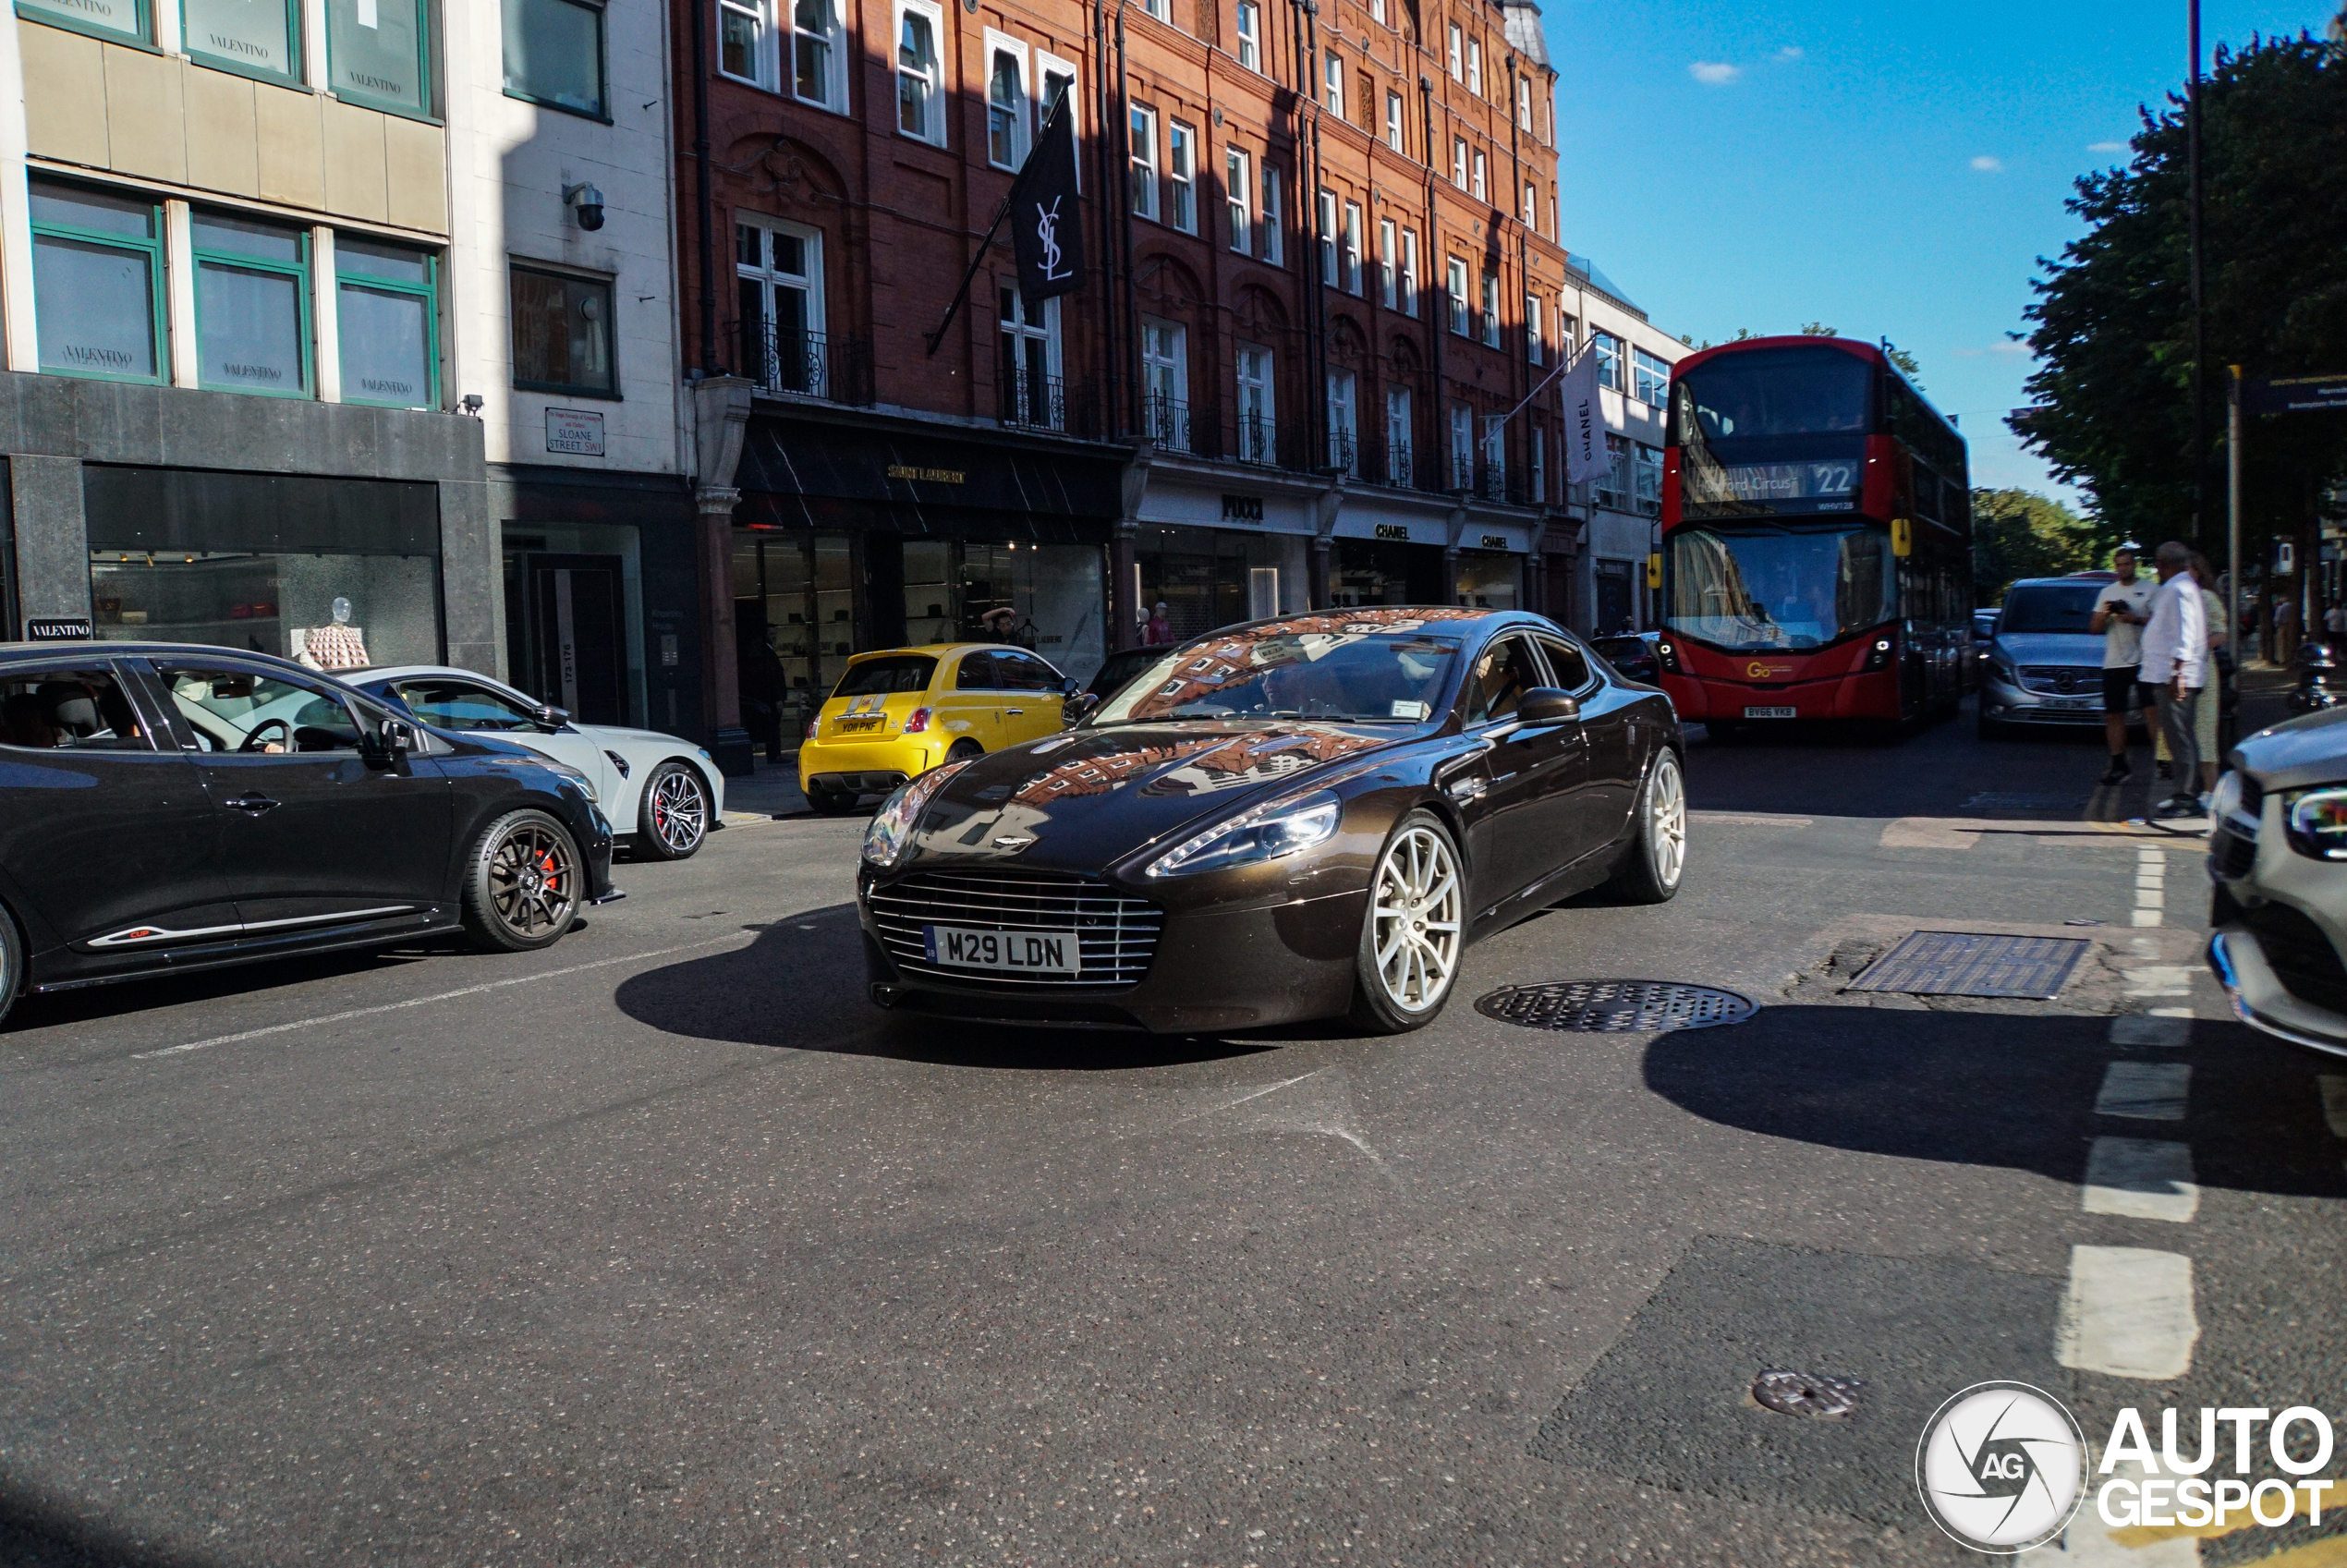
2107, 147
1714, 73
1790, 52
2007, 347
1988, 165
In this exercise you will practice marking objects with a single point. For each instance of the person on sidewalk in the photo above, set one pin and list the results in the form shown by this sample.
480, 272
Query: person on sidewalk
2120, 610
2175, 662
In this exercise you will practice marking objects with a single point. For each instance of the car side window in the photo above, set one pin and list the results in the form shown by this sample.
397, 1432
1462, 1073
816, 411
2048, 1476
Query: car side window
976, 674
1504, 672
1024, 672
80, 708
461, 705
233, 709
1567, 664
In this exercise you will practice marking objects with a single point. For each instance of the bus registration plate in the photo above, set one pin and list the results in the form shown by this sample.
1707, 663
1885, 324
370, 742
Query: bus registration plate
1048, 953
1770, 712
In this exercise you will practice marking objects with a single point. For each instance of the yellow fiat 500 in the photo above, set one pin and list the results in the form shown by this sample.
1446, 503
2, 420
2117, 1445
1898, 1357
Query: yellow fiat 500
897, 714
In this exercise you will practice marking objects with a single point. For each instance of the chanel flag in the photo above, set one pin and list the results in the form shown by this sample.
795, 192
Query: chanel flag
1045, 229
1585, 455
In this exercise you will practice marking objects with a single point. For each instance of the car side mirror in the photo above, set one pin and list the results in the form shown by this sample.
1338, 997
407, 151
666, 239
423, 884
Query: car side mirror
1079, 706
1070, 686
1547, 705
551, 717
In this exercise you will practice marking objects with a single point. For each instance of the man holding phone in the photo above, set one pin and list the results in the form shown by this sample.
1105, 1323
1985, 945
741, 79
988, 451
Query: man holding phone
2121, 612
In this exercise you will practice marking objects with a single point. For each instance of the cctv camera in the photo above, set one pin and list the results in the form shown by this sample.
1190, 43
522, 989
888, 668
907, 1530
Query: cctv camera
590, 203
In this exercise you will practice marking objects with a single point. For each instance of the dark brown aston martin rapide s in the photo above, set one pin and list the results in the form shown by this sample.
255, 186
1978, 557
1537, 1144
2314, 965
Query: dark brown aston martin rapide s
1294, 818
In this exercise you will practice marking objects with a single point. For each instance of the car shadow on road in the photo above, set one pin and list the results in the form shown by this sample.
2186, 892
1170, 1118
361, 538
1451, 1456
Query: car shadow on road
800, 986
36, 1533
1994, 1089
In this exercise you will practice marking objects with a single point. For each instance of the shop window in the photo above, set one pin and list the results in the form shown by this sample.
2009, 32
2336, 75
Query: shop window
562, 334
331, 610
97, 283
1488, 581
795, 594
387, 315
1262, 592
932, 593
259, 38
376, 53
252, 306
1007, 109
554, 55
920, 72
778, 271
106, 19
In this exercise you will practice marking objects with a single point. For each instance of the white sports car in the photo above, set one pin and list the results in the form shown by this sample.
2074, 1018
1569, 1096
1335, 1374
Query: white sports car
661, 794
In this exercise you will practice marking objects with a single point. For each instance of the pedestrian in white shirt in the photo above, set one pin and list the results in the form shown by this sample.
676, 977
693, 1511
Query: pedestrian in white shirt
2120, 612
2175, 664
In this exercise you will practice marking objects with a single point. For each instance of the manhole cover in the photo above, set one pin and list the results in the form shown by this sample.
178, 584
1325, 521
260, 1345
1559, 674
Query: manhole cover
1802, 1393
1975, 964
1616, 1006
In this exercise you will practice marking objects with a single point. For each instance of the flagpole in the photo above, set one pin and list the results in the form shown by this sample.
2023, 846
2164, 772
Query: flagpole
1564, 361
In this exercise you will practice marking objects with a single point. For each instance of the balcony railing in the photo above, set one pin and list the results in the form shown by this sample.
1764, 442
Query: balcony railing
1166, 421
1495, 482
1344, 453
1258, 440
1032, 402
1397, 463
1462, 471
779, 357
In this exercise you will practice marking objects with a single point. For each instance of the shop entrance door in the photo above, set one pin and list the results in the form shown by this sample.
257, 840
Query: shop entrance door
797, 618
1614, 612
578, 634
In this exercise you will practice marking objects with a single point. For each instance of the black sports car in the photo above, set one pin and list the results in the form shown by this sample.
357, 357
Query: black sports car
1292, 818
168, 807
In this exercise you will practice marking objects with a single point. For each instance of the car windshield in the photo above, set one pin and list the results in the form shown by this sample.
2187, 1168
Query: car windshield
1779, 588
898, 672
1373, 669
2050, 607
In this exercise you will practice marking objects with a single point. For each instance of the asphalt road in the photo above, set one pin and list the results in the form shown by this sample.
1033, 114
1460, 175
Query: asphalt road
663, 1246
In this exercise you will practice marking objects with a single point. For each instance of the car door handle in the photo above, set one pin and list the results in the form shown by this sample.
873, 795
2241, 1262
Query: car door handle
251, 805
1014, 713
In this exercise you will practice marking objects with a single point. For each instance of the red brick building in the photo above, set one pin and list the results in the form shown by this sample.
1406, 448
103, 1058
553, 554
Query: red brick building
1323, 273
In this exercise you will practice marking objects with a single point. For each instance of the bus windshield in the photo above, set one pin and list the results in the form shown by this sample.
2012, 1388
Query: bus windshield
1772, 392
1775, 588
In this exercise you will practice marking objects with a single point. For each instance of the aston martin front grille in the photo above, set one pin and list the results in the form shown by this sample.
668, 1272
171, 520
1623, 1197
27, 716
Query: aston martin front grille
1117, 935
2060, 680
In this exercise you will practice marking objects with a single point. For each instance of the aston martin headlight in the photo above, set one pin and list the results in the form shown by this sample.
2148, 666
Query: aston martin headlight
890, 833
1269, 831
2317, 820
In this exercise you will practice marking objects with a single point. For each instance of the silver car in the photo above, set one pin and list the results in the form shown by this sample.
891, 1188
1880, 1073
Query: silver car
2044, 667
2278, 854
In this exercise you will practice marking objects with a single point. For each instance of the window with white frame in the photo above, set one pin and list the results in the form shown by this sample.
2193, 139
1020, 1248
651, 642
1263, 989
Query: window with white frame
1334, 73
1328, 237
819, 55
1275, 241
778, 283
1385, 263
1250, 35
1161, 9
1031, 388
1376, 12
1608, 349
1352, 248
1650, 479
1482, 185
1491, 309
1566, 327
1474, 66
1397, 435
1393, 120
1257, 425
1459, 162
920, 71
1344, 443
1166, 382
1524, 103
1457, 56
1462, 447
1058, 77
1238, 193
1006, 105
1535, 349
1181, 176
1531, 219
745, 41
1495, 452
1650, 377
1410, 272
1457, 279
1613, 485
1143, 131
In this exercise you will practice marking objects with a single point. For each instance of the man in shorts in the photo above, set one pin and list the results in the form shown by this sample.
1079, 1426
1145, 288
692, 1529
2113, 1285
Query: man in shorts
2120, 611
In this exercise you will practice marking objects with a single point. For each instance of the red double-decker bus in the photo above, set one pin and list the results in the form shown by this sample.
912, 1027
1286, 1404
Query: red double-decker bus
1817, 540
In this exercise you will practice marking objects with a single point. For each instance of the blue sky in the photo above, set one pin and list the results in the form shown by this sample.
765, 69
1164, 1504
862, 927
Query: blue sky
1891, 170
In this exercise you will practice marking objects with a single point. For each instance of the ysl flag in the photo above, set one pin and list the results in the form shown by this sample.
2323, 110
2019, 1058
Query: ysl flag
1045, 229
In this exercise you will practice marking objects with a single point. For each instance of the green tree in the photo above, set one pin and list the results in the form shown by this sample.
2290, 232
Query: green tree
2113, 324
2019, 533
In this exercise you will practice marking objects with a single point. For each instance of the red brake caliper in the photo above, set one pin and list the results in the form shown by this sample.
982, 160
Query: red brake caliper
546, 863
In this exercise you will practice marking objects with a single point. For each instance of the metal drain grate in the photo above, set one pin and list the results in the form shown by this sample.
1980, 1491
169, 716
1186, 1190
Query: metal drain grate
1975, 964
1616, 1006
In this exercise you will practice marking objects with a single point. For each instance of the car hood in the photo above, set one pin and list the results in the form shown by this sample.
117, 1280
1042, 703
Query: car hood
1088, 798
2053, 648
2311, 749
615, 735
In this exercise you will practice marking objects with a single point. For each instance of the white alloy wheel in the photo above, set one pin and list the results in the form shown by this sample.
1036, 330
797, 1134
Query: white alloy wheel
1416, 927
1666, 821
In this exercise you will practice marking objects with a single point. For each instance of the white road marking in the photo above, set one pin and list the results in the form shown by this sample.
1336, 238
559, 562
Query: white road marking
2141, 1179
325, 1018
1752, 820
2138, 1029
2165, 979
2334, 1088
2128, 1313
2146, 1091
2146, 917
2153, 897
2088, 1542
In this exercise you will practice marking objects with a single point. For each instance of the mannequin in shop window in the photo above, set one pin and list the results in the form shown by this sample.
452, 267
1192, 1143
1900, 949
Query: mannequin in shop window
336, 646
